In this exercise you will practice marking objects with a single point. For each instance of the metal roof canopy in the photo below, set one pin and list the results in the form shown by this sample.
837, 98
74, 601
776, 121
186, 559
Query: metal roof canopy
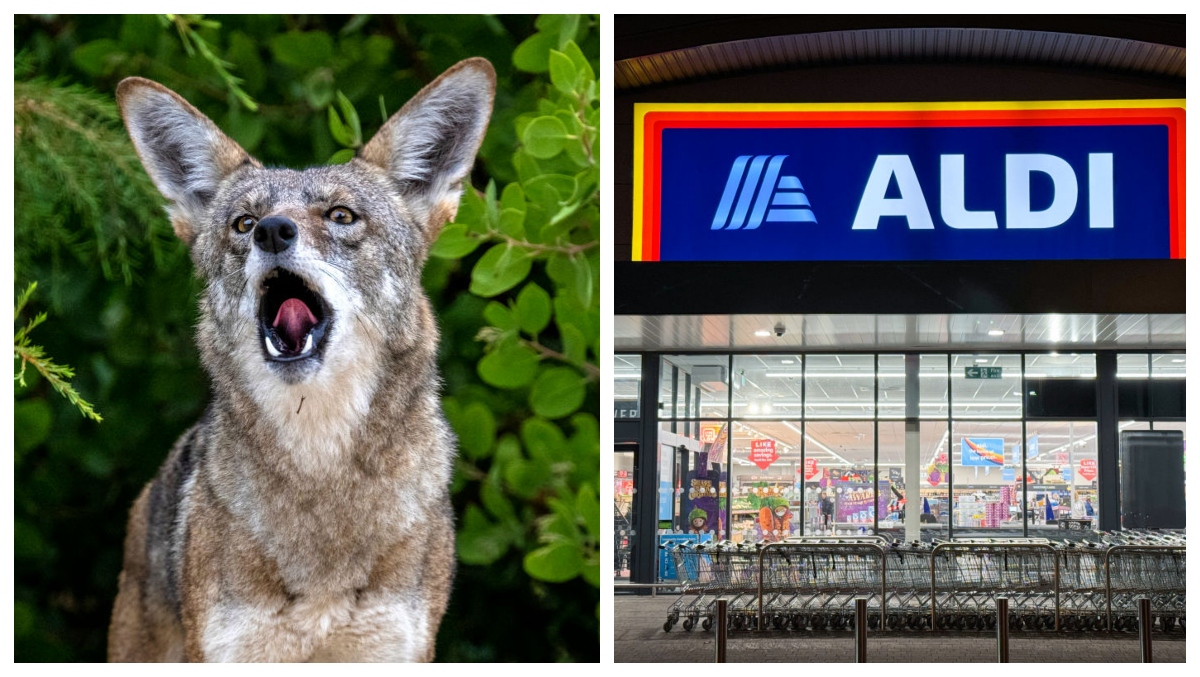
905, 45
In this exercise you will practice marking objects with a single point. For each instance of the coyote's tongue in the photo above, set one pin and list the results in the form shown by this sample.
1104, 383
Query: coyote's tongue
293, 322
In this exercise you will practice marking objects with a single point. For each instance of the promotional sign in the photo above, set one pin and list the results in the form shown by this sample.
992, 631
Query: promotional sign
952, 181
857, 502
762, 453
1087, 468
810, 468
983, 451
666, 559
708, 432
1034, 449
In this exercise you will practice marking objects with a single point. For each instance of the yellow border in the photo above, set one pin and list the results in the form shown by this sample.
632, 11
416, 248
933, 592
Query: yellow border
641, 109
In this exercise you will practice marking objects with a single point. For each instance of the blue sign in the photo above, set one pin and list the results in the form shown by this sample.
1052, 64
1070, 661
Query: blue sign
1033, 448
983, 451
666, 502
746, 186
666, 556
1008, 474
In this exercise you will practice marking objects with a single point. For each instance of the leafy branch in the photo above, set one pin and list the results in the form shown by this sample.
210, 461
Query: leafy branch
186, 25
58, 375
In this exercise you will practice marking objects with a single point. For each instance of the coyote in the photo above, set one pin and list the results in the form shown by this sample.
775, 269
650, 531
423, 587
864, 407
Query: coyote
307, 515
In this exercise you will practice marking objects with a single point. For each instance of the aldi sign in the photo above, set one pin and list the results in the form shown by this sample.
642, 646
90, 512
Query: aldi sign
909, 182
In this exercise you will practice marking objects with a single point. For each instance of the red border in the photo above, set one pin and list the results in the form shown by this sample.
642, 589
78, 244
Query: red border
656, 121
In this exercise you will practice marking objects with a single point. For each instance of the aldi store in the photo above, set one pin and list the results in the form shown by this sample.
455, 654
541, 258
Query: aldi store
915, 277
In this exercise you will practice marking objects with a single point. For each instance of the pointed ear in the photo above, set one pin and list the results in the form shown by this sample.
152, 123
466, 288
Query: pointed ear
429, 146
185, 154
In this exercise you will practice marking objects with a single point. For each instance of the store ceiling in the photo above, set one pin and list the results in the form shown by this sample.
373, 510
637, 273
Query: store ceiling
712, 333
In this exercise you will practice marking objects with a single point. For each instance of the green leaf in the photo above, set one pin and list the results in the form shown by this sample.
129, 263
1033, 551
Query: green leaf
479, 541
568, 29
498, 315
303, 51
582, 67
453, 242
591, 572
499, 269
352, 121
478, 430
588, 505
341, 157
98, 57
32, 423
574, 344
511, 365
533, 54
544, 440
526, 478
533, 309
341, 133
494, 500
545, 137
563, 75
557, 392
555, 563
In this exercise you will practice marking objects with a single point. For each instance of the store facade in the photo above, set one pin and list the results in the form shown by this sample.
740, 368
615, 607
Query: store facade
958, 315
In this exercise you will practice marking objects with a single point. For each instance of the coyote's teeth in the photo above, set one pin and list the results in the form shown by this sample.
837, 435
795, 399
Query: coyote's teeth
307, 345
271, 347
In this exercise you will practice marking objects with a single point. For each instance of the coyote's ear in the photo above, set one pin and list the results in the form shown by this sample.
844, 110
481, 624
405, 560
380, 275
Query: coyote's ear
429, 145
185, 154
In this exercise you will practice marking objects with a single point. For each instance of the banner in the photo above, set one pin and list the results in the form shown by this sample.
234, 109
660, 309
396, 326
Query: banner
943, 181
983, 451
762, 453
810, 468
856, 503
1087, 468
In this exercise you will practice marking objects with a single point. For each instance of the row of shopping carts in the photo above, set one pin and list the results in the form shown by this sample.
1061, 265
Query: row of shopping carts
811, 584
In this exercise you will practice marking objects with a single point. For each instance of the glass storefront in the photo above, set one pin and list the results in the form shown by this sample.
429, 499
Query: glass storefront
784, 445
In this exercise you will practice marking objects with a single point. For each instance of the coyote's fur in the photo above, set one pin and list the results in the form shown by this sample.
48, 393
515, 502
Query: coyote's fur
307, 515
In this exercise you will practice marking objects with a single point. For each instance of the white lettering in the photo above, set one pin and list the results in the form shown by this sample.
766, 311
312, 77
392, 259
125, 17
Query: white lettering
1100, 190
911, 203
954, 197
1018, 211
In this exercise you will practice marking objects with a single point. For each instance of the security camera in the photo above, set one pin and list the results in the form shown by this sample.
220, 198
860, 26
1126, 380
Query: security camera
780, 329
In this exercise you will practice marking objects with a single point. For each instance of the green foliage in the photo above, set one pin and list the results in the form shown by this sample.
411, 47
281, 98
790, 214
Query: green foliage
58, 375
513, 279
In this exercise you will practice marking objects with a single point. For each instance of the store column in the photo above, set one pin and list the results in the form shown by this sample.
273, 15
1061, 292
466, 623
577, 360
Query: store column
644, 558
1107, 443
912, 447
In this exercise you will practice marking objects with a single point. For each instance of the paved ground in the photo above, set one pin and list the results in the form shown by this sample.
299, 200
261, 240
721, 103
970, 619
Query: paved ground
639, 637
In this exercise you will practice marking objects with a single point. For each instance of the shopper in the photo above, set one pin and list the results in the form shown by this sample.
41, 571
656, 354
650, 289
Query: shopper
826, 507
1087, 508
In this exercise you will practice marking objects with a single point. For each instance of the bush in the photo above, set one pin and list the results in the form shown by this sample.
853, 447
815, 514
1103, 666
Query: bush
514, 281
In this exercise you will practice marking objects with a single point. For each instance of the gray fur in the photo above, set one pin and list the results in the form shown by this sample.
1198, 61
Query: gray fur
307, 515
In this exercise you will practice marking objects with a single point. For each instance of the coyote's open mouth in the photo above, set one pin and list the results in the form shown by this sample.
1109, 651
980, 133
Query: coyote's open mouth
292, 317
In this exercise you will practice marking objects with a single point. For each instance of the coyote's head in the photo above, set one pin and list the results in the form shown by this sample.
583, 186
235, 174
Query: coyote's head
312, 272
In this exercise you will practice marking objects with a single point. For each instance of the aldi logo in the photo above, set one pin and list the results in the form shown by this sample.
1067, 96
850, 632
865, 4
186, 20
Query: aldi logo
1076, 180
779, 198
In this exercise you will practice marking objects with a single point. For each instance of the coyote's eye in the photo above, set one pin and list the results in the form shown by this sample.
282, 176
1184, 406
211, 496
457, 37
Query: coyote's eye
341, 215
244, 224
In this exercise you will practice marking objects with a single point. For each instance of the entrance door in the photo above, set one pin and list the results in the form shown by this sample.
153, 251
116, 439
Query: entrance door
623, 514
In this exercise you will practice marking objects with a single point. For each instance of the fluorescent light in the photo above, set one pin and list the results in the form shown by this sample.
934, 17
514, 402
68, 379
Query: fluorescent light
794, 362
762, 332
1179, 360
995, 332
981, 360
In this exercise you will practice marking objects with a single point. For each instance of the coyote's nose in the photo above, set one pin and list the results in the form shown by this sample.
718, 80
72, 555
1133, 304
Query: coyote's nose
274, 234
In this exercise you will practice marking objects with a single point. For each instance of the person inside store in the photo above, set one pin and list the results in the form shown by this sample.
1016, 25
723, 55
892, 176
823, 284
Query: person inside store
1088, 509
826, 507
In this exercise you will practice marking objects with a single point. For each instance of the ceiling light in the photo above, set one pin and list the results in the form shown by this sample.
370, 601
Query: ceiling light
762, 332
995, 332
1178, 360
794, 362
981, 360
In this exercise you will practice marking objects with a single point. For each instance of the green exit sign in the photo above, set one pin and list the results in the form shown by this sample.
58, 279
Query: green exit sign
984, 372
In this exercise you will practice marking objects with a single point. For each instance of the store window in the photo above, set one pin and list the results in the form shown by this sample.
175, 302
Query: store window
1151, 386
839, 386
765, 480
694, 386
935, 386
986, 386
627, 387
1060, 385
768, 386
1062, 471
693, 477
986, 460
934, 499
840, 498
891, 387
623, 517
